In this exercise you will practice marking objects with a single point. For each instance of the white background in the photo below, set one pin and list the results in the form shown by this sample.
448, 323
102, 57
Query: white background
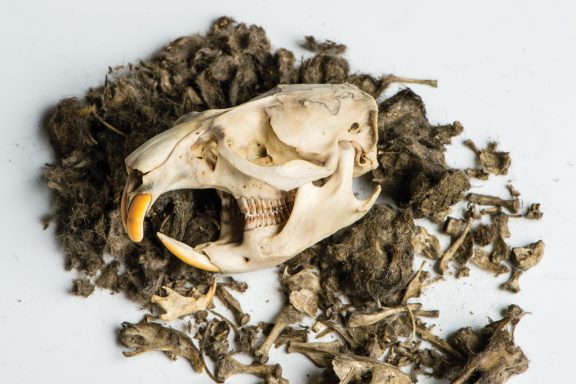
505, 70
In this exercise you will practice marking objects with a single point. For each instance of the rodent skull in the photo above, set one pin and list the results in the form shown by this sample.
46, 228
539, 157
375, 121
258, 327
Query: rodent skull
283, 165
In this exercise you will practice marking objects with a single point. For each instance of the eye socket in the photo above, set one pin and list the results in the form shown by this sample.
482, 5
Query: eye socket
354, 128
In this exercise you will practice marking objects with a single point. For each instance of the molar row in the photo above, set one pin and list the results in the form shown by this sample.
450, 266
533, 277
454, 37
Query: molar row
262, 212
264, 220
253, 206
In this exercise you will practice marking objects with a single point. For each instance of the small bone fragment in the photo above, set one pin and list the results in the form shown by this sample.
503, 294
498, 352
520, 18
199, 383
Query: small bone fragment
492, 161
528, 256
496, 363
146, 337
513, 205
513, 283
175, 305
481, 258
320, 354
391, 79
534, 212
414, 288
477, 173
500, 250
233, 305
453, 226
463, 271
501, 222
349, 368
513, 191
451, 251
229, 366
353, 369
291, 335
438, 342
491, 211
358, 319
235, 285
304, 287
426, 244
288, 316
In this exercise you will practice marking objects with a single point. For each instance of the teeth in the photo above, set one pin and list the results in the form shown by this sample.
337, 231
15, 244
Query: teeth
252, 206
243, 204
187, 254
135, 217
263, 212
266, 205
258, 204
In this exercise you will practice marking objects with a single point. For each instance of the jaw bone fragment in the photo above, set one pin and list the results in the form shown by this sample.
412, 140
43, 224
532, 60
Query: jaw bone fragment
176, 305
283, 165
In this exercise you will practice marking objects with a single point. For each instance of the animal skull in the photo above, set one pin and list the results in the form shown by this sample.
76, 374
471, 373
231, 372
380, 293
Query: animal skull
283, 165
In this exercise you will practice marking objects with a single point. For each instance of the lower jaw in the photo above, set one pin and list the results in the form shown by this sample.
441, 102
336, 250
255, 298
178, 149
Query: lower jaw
238, 243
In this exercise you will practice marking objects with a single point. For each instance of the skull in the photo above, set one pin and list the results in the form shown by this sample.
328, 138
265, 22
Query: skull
283, 165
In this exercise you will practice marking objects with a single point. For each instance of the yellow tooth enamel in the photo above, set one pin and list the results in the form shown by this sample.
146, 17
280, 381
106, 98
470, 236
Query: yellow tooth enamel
135, 219
188, 255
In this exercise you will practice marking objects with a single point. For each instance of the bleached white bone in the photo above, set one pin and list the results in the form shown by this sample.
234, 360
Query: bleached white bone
292, 153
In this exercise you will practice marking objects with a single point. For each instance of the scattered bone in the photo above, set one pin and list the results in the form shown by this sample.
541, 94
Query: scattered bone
477, 173
456, 243
414, 287
349, 368
534, 212
426, 244
146, 337
492, 161
290, 335
496, 363
353, 369
500, 220
512, 205
453, 226
482, 259
320, 354
513, 191
175, 305
359, 319
214, 339
233, 305
491, 211
513, 283
304, 287
288, 316
235, 285
229, 366
528, 256
500, 250
462, 272
438, 342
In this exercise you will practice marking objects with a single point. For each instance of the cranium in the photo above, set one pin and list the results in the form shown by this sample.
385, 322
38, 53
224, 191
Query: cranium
283, 165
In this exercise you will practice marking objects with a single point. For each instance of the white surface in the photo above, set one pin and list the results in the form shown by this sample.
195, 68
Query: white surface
505, 70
